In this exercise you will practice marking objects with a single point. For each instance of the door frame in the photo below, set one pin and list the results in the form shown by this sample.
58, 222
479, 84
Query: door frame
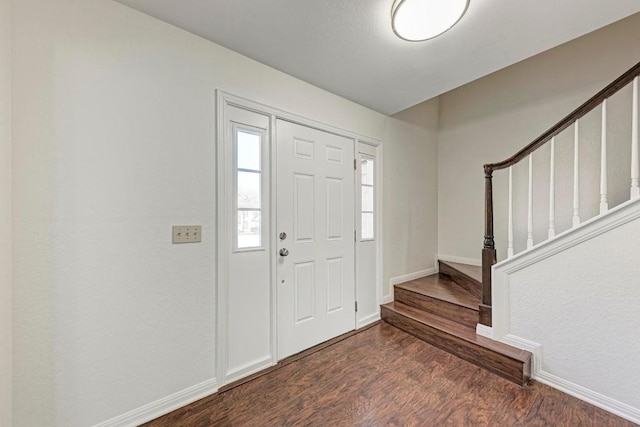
223, 100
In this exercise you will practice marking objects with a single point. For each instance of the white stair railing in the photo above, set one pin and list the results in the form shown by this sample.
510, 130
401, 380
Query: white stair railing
552, 192
601, 99
604, 205
635, 188
576, 175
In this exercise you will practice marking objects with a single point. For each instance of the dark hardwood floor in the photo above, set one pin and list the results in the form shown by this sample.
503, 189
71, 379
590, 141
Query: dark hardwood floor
386, 377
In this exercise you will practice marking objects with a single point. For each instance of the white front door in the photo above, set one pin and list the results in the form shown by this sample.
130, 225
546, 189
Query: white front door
315, 210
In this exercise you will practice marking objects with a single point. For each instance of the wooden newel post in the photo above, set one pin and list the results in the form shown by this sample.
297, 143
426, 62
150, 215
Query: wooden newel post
489, 248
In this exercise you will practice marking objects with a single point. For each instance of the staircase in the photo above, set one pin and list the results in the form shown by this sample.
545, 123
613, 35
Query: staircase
442, 310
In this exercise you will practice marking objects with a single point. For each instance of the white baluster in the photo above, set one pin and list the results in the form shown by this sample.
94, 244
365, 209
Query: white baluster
552, 191
530, 216
635, 177
576, 177
510, 230
604, 205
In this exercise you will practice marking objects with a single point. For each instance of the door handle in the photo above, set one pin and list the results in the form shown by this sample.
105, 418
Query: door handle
284, 252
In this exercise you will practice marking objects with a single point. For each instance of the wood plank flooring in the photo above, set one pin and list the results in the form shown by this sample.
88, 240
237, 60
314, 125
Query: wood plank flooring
386, 377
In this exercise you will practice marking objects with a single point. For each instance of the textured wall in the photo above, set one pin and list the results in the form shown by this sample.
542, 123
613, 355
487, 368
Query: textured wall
410, 195
5, 213
581, 307
490, 119
114, 142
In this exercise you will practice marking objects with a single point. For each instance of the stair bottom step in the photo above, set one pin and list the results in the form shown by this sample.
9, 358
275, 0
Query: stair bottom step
510, 363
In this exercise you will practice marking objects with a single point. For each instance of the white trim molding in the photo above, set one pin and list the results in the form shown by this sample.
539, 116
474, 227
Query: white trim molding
387, 299
368, 320
460, 260
223, 100
411, 276
597, 399
534, 348
588, 230
484, 331
249, 369
600, 400
406, 278
163, 406
501, 330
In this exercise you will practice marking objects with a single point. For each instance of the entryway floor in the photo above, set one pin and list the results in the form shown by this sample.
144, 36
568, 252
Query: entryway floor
386, 377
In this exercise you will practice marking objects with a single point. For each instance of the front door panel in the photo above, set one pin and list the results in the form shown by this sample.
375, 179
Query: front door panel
315, 210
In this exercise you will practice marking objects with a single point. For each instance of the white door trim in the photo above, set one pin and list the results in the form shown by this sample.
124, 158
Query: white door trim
224, 99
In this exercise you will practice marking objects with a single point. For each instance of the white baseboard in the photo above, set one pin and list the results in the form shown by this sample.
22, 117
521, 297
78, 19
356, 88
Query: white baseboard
163, 406
248, 369
597, 399
534, 348
412, 276
601, 401
484, 331
387, 299
368, 320
460, 260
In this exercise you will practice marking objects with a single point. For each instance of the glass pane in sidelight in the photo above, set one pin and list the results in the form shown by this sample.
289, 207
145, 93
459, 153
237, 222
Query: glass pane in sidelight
366, 166
367, 226
249, 229
249, 190
248, 151
367, 199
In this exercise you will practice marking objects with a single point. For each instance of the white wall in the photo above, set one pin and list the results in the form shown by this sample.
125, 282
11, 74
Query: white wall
113, 143
577, 298
5, 213
490, 119
410, 191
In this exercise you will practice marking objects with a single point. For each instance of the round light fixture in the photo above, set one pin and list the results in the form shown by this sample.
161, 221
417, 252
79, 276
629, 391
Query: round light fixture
419, 20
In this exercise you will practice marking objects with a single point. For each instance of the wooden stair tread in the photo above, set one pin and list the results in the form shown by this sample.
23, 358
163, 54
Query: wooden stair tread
457, 330
442, 288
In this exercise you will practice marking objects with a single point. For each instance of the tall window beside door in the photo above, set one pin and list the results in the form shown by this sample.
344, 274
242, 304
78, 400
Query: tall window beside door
367, 190
248, 154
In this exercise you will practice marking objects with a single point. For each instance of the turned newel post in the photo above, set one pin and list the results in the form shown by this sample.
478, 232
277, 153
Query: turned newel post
489, 248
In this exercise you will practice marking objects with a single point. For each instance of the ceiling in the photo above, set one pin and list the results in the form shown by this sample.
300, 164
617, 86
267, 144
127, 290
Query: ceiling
347, 46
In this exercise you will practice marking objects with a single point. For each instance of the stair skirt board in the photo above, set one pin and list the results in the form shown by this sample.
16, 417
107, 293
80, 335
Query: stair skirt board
467, 282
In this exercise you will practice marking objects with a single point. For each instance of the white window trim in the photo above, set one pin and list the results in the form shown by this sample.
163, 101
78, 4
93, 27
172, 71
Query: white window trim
365, 156
262, 134
224, 100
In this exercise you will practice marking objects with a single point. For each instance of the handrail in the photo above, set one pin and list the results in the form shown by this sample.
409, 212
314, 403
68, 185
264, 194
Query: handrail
488, 250
578, 113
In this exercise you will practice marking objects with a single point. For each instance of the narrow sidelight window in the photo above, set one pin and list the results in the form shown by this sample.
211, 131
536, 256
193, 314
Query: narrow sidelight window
367, 191
248, 150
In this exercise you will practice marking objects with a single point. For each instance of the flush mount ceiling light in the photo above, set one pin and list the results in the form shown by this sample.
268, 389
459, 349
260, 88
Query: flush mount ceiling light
419, 20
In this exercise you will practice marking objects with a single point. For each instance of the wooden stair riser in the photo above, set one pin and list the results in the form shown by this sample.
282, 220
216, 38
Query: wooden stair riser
463, 315
511, 369
470, 285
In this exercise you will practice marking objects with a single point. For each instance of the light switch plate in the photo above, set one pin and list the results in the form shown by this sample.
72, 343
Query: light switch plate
187, 233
